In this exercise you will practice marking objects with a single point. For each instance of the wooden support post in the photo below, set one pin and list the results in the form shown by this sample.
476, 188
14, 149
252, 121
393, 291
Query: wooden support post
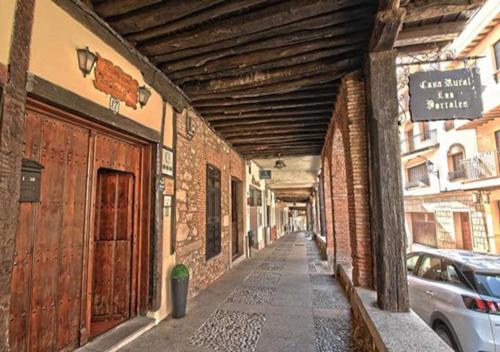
386, 198
11, 147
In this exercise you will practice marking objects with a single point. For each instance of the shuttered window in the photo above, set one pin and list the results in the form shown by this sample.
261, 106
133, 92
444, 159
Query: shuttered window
213, 233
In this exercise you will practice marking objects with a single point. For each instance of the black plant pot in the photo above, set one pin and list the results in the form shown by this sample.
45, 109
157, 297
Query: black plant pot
179, 296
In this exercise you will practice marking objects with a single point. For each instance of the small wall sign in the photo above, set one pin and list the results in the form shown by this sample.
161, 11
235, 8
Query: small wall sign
167, 205
265, 174
114, 105
167, 162
445, 95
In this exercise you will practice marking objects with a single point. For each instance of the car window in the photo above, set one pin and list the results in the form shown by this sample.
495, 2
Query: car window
489, 284
431, 269
452, 276
411, 263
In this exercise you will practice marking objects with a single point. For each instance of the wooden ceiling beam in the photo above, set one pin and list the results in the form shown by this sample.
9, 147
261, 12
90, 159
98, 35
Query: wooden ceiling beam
111, 8
354, 50
279, 88
273, 132
274, 154
329, 94
305, 30
264, 78
420, 10
237, 141
255, 21
265, 125
388, 24
256, 121
160, 13
321, 111
244, 108
430, 33
279, 145
334, 37
213, 13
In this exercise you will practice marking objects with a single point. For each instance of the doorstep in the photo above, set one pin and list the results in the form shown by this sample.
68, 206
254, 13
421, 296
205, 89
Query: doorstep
119, 336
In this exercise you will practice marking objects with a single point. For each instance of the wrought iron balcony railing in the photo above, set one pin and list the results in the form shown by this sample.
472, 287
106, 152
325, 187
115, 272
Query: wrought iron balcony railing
482, 165
419, 141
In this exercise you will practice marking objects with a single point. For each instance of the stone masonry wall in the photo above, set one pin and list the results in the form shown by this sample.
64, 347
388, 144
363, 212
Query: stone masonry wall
192, 159
346, 148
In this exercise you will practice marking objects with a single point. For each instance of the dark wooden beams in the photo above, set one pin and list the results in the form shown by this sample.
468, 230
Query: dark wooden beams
419, 10
441, 32
388, 23
263, 73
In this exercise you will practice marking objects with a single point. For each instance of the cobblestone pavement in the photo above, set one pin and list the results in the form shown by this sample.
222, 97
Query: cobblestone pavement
281, 300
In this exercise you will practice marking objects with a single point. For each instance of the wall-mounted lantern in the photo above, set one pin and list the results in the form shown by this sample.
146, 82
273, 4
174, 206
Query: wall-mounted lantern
86, 60
144, 95
190, 125
431, 168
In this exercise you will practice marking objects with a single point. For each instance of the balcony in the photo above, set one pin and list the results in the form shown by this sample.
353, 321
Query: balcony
482, 165
419, 142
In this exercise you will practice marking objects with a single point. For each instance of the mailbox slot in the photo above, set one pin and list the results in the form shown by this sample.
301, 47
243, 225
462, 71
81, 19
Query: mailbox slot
31, 176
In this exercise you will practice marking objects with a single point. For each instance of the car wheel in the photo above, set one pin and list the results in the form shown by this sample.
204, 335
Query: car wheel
445, 334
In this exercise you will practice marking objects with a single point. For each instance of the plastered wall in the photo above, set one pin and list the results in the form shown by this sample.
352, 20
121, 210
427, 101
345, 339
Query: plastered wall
56, 36
7, 8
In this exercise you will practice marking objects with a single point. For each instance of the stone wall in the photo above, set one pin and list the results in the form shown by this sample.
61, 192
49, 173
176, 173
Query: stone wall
192, 159
345, 165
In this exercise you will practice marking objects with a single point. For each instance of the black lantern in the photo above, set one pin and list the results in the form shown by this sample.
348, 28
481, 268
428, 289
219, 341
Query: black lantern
279, 163
86, 60
144, 95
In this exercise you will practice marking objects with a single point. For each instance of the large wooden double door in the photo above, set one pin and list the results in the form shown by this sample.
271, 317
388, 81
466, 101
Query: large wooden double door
78, 250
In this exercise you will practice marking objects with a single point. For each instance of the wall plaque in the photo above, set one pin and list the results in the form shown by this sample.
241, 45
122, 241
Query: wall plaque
445, 95
111, 79
265, 174
167, 162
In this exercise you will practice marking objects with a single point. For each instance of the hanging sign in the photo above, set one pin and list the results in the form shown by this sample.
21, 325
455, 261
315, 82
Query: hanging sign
445, 95
265, 174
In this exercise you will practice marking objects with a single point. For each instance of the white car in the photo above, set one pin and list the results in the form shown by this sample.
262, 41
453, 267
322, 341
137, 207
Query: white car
457, 293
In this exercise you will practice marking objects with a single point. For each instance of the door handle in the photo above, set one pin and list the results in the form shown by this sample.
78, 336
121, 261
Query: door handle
429, 292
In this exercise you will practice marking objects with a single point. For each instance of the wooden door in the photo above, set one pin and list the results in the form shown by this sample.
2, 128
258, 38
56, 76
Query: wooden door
424, 229
48, 266
466, 233
113, 234
213, 233
234, 217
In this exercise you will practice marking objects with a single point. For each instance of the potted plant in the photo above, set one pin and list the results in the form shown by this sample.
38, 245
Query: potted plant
180, 284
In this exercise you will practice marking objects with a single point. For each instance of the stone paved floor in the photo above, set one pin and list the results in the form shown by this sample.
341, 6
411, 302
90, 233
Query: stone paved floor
283, 299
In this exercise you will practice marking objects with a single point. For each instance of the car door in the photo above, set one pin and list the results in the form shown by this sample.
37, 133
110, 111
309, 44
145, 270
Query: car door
411, 267
425, 283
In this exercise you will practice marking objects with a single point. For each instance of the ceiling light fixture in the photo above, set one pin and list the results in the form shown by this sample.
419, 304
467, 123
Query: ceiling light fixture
279, 163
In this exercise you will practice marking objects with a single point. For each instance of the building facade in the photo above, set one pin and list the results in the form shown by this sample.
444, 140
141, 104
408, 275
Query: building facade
450, 169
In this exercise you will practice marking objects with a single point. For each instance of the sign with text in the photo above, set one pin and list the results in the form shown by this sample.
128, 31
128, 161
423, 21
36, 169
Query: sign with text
265, 174
445, 95
111, 79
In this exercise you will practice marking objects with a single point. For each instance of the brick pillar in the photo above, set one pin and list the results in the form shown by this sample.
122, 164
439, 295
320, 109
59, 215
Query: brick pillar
358, 176
11, 146
329, 231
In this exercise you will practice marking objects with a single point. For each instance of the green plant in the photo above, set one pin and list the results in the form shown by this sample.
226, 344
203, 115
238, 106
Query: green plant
180, 271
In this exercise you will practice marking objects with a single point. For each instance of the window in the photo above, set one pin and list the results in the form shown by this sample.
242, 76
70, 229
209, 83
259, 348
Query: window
452, 276
255, 197
431, 269
424, 131
449, 125
418, 175
496, 54
411, 263
213, 231
456, 157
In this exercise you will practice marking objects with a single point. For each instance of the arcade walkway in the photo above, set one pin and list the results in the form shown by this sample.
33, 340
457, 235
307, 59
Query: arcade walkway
280, 300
